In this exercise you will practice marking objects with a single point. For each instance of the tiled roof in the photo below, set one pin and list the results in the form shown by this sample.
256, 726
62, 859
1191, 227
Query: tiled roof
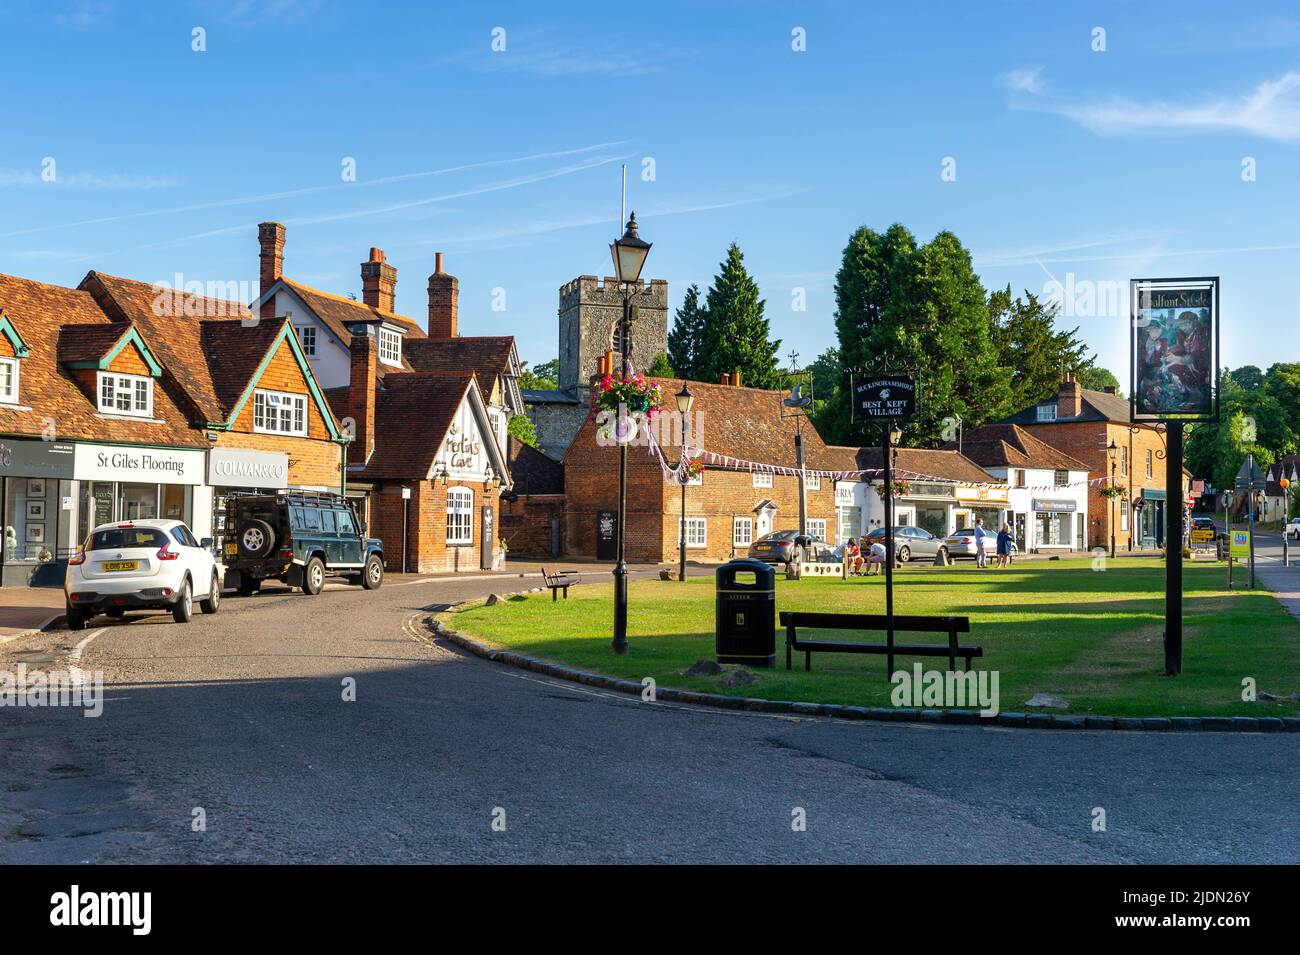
172, 332
412, 416
233, 352
532, 471
1009, 445
486, 355
340, 313
946, 465
745, 423
82, 342
42, 313
1096, 406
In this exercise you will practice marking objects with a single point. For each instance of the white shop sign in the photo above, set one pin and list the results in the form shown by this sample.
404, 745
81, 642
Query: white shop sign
231, 467
109, 462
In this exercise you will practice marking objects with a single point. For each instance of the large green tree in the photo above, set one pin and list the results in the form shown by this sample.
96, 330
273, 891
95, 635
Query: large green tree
736, 333
1032, 348
1253, 421
687, 335
924, 307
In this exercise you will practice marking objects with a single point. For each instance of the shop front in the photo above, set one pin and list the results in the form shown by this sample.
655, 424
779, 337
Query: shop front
36, 500
233, 471
128, 483
1057, 525
987, 502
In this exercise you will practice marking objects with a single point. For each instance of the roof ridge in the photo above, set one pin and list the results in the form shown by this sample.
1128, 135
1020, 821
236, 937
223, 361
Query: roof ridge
344, 299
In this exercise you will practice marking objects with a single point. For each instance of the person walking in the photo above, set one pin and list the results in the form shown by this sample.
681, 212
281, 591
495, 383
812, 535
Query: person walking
981, 556
1004, 546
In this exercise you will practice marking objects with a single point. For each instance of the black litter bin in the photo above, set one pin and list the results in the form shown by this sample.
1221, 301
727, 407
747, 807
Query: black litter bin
745, 626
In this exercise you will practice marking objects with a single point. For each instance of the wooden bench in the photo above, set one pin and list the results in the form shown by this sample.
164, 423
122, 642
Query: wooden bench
793, 620
558, 580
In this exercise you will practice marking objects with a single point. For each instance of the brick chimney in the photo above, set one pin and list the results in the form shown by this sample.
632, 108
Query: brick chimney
378, 282
270, 238
361, 393
1069, 401
443, 293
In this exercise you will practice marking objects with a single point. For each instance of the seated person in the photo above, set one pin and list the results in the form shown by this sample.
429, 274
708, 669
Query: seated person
853, 556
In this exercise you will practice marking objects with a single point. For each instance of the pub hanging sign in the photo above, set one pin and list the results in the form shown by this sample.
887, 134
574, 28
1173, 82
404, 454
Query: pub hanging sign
886, 397
1175, 349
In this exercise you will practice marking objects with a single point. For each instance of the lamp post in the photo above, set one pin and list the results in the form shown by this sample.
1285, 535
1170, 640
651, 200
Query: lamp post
1285, 485
684, 401
629, 255
1113, 451
892, 436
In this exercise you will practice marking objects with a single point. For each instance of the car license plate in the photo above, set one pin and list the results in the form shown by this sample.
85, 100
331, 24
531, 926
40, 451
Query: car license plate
232, 549
113, 565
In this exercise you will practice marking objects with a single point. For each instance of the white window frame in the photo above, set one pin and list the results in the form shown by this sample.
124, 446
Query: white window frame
1047, 412
1123, 515
762, 479
9, 396
1123, 462
812, 482
742, 531
124, 385
307, 336
269, 407
460, 515
697, 532
816, 528
390, 346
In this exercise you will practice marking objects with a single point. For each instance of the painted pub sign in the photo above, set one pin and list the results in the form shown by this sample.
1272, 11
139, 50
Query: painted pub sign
1174, 349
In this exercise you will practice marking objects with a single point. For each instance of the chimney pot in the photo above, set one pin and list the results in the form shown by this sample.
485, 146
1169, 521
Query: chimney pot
437, 262
378, 281
376, 255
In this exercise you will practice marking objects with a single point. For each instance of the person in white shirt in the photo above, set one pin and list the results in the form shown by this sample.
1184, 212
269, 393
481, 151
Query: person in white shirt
876, 560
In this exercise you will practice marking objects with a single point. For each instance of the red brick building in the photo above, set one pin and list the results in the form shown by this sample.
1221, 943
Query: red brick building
726, 509
1083, 423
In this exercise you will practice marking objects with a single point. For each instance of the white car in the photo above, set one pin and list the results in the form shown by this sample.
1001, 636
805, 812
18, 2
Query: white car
140, 565
1293, 529
962, 543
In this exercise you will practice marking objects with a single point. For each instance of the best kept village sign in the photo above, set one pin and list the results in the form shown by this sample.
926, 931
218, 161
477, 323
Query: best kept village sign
886, 397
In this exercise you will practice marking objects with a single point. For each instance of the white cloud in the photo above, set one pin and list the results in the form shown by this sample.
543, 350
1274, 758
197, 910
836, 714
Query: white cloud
1270, 111
85, 180
1025, 80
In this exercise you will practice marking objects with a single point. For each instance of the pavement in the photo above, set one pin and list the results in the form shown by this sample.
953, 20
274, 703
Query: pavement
334, 728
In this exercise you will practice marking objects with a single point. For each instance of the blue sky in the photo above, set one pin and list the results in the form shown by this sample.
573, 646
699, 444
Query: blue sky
1072, 164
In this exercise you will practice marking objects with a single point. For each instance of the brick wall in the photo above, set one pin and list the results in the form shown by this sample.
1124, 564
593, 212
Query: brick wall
284, 374
425, 516
526, 524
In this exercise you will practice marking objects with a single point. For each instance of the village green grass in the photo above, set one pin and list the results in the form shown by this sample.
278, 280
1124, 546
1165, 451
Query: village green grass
1060, 627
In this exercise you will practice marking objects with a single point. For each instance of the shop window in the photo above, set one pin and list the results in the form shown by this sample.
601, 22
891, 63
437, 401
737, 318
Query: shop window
742, 531
849, 522
817, 529
307, 335
9, 381
125, 394
390, 347
460, 515
277, 412
762, 479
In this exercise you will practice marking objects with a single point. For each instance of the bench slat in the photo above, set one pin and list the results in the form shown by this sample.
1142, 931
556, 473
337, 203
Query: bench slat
864, 621
902, 649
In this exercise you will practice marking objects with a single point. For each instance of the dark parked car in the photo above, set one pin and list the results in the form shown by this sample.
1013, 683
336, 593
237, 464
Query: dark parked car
298, 537
780, 547
910, 542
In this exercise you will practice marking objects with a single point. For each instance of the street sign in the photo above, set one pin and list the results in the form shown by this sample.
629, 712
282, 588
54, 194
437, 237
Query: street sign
1249, 477
1240, 546
887, 396
1202, 535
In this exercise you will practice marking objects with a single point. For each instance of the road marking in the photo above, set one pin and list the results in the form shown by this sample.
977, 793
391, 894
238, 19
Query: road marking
74, 657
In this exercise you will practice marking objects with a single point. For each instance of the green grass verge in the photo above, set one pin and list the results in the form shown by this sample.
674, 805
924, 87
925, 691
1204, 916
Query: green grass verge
1057, 627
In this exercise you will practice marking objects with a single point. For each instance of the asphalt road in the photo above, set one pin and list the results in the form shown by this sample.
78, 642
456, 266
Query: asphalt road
239, 720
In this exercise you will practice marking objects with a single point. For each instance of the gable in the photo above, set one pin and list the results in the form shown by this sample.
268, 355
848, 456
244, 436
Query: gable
11, 343
130, 361
468, 449
285, 368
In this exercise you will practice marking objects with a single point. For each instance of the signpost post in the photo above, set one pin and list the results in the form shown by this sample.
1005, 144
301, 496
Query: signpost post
1173, 376
1250, 480
887, 399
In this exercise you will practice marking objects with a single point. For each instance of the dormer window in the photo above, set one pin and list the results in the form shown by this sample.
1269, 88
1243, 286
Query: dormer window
125, 394
390, 346
9, 381
1047, 412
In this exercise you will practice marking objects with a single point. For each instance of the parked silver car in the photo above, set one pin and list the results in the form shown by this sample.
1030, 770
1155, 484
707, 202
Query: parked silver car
962, 543
910, 542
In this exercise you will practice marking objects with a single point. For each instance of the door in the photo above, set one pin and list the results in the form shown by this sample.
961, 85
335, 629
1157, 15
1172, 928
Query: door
1019, 523
488, 539
763, 526
349, 539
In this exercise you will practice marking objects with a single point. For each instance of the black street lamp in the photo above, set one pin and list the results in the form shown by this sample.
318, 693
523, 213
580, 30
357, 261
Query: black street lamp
684, 401
1113, 451
629, 255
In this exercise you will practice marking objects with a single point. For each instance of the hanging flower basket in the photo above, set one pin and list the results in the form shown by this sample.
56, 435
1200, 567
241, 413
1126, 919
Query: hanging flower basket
900, 488
635, 393
1111, 491
689, 470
